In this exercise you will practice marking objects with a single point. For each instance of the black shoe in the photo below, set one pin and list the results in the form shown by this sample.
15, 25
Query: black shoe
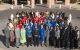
7, 47
27, 45
17, 47
31, 45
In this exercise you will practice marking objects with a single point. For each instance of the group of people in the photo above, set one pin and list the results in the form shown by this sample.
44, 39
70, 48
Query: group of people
41, 28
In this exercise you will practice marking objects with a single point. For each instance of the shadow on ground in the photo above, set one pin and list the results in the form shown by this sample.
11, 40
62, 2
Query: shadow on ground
2, 38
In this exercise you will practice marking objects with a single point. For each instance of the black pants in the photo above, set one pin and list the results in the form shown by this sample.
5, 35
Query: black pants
75, 43
57, 41
66, 43
61, 42
29, 41
51, 41
36, 41
71, 43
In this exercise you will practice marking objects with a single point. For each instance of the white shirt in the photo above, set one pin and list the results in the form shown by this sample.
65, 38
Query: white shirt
53, 16
70, 18
78, 35
11, 26
12, 16
17, 15
37, 14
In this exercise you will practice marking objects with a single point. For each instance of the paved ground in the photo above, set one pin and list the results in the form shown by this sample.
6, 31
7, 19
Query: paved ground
4, 15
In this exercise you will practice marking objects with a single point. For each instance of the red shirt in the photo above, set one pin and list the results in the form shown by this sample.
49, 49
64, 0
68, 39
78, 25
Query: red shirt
42, 19
20, 25
36, 20
25, 18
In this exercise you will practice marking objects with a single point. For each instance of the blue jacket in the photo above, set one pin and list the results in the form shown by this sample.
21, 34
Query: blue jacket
29, 33
31, 26
62, 25
56, 20
49, 25
53, 24
42, 34
50, 18
25, 26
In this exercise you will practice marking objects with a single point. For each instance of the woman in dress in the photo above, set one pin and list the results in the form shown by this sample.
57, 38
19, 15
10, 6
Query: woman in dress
23, 36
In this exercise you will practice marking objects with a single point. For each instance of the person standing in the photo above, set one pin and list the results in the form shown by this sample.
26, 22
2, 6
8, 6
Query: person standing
47, 36
7, 35
49, 24
66, 36
57, 36
76, 37
12, 35
35, 32
22, 36
17, 34
72, 37
42, 35
61, 36
29, 36
52, 37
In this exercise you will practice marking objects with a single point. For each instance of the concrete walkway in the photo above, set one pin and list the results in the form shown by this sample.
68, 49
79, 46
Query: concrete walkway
3, 49
4, 6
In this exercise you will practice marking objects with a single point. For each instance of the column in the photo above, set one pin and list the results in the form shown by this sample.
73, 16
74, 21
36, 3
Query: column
32, 3
41, 1
28, 2
53, 2
49, 3
15, 2
67, 2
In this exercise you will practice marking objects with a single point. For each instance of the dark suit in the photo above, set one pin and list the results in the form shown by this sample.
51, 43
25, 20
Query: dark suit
66, 38
35, 37
75, 39
52, 38
61, 37
71, 38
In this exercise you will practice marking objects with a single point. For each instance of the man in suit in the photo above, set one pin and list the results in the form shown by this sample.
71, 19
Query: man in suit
66, 37
35, 35
61, 36
76, 37
52, 37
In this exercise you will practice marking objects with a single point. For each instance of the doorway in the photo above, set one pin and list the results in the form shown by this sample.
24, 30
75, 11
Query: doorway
59, 1
22, 2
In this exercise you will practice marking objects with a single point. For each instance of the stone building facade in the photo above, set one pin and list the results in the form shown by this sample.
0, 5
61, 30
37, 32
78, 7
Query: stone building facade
32, 3
49, 2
